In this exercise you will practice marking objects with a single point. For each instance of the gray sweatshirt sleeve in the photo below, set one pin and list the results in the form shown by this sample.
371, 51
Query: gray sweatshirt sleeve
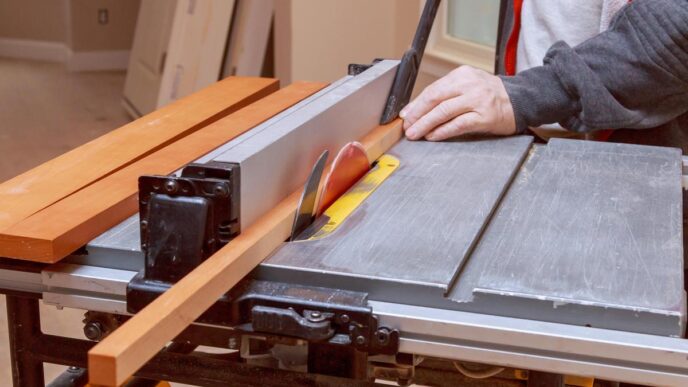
634, 75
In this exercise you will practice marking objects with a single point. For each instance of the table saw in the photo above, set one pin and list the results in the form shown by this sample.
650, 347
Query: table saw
565, 258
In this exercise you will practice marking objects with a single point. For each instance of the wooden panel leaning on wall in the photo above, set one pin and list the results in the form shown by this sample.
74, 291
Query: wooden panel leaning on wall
46, 184
56, 231
129, 347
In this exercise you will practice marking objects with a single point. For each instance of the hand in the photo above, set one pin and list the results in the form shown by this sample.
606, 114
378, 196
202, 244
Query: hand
467, 100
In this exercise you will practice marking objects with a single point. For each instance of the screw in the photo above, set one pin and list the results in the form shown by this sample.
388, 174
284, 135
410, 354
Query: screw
383, 336
93, 330
315, 316
144, 224
171, 186
220, 190
344, 318
360, 340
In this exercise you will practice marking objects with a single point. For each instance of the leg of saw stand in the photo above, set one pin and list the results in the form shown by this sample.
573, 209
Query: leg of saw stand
24, 325
545, 379
328, 359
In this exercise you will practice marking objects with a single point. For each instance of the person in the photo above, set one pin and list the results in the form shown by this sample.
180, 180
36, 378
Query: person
629, 75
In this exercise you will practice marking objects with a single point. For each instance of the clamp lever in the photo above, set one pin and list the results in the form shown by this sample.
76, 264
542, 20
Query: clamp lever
405, 79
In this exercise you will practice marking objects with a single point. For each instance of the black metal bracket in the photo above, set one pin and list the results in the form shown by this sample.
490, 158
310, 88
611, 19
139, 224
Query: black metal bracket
281, 310
183, 221
315, 314
186, 219
355, 68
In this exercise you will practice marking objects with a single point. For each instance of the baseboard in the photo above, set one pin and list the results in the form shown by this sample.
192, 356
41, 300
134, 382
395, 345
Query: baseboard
60, 52
98, 60
33, 49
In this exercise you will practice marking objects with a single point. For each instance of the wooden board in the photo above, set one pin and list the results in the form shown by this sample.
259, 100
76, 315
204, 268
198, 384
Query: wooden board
117, 357
58, 230
147, 57
44, 185
249, 38
196, 47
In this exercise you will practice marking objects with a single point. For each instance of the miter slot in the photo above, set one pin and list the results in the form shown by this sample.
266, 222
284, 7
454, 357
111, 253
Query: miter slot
408, 239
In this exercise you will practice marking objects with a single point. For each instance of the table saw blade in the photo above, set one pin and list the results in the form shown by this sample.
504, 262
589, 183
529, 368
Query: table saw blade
305, 212
350, 165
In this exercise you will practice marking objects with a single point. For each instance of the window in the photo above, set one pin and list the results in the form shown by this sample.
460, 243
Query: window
465, 32
473, 20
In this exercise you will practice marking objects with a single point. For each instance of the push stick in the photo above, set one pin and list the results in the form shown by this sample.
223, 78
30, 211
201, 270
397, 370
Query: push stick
129, 347
58, 230
58, 178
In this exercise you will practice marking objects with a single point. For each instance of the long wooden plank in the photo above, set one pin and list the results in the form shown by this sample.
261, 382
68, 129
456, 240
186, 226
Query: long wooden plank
58, 230
44, 185
124, 351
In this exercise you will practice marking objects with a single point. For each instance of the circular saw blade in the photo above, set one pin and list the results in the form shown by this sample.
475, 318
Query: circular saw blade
347, 168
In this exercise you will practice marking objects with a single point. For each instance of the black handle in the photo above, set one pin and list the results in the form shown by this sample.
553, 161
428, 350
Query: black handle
405, 79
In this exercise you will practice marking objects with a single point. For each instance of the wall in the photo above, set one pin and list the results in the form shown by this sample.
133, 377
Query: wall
68, 31
88, 35
316, 39
34, 20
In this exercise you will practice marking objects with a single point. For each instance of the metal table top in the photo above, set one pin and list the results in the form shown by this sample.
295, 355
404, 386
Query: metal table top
586, 233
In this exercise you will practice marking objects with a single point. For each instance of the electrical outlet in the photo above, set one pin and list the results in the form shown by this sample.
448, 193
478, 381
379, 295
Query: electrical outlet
103, 16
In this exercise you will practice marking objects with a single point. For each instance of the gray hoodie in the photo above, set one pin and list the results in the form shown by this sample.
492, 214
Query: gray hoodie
632, 76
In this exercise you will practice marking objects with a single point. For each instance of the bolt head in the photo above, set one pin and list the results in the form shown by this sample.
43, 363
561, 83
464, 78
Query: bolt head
221, 190
360, 340
93, 331
382, 336
344, 318
171, 186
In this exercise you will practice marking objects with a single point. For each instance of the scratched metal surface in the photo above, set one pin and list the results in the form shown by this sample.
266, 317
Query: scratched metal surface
585, 231
417, 227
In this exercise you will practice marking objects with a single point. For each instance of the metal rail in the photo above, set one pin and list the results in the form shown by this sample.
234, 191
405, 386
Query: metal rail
511, 342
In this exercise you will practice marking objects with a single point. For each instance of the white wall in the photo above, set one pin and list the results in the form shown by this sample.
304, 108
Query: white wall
316, 39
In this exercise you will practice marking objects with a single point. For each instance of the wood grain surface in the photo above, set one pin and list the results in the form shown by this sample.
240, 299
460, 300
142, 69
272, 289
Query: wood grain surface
56, 231
56, 179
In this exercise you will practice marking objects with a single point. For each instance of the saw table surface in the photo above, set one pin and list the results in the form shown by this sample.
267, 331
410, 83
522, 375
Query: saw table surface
420, 224
588, 234
574, 232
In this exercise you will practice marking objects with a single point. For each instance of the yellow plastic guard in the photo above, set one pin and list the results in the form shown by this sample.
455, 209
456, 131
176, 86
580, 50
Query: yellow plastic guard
347, 203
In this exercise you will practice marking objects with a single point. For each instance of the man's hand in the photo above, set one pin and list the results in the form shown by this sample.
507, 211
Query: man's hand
467, 100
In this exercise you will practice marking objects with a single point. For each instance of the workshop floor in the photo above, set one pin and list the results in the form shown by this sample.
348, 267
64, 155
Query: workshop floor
45, 111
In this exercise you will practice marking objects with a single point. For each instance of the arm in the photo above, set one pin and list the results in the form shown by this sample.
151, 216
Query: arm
635, 75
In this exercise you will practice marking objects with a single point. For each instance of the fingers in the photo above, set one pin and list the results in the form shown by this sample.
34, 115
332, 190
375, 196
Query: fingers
463, 124
441, 113
432, 96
